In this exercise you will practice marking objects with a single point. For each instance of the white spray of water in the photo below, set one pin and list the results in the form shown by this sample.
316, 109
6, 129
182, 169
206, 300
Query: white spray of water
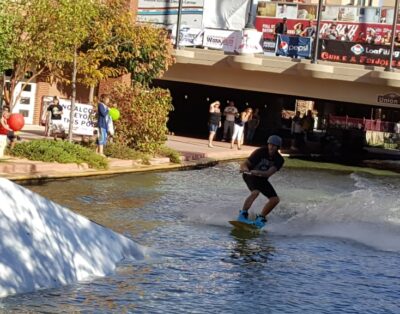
369, 214
356, 207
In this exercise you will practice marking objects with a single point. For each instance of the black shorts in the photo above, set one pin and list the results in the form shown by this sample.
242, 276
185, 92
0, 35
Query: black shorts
11, 135
260, 184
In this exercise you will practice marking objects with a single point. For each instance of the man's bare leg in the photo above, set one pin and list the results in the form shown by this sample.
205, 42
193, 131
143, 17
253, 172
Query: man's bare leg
250, 200
272, 202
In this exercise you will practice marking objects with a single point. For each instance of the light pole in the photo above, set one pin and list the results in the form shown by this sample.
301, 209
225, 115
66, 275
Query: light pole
389, 68
317, 29
178, 24
249, 23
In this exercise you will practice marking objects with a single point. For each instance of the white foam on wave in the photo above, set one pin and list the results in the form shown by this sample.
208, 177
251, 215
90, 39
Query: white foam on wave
369, 214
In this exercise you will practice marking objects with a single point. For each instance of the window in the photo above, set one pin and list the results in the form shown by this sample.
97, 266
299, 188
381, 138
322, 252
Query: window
25, 101
27, 88
25, 113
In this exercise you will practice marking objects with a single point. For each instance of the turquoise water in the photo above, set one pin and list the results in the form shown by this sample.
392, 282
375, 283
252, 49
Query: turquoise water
331, 246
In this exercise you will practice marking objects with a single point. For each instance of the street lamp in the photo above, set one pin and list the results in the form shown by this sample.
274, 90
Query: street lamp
249, 23
317, 29
394, 26
178, 24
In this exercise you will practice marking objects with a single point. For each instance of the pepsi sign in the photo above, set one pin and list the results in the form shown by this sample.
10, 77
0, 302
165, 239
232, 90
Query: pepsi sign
293, 46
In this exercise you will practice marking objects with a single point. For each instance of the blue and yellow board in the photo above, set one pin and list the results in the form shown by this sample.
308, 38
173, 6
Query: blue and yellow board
244, 226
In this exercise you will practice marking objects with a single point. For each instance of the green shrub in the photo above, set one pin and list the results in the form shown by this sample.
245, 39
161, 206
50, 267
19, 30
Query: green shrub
144, 114
121, 151
58, 151
172, 154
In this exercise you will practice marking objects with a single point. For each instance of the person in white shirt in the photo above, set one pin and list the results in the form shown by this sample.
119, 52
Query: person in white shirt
229, 114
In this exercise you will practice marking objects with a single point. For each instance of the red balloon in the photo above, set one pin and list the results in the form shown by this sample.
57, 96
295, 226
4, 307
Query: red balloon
16, 121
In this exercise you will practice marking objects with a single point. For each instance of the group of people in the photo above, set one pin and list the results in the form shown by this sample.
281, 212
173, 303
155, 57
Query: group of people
234, 124
371, 36
302, 128
308, 31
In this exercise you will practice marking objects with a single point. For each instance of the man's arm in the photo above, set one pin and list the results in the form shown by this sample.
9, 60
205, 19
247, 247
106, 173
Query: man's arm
103, 110
264, 173
5, 124
244, 166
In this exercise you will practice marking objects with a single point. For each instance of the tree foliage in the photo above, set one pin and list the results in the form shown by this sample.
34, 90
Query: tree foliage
40, 35
116, 46
148, 55
144, 115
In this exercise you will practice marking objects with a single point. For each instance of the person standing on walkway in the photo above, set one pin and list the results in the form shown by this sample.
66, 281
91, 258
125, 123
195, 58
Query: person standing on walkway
281, 28
102, 123
239, 127
257, 169
5, 129
56, 124
252, 125
214, 121
297, 132
229, 114
308, 124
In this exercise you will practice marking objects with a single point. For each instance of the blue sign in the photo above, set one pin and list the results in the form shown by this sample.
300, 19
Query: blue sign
293, 46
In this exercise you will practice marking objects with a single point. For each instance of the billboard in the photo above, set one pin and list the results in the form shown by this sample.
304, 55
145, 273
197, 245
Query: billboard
165, 12
356, 31
358, 53
83, 116
294, 46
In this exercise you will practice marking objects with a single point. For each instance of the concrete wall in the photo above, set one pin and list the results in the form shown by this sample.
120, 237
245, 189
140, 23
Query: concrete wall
337, 82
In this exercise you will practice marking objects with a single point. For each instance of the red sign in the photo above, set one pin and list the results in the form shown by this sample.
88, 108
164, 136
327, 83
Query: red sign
356, 31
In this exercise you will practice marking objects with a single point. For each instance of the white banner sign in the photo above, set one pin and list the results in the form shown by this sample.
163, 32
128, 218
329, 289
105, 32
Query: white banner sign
165, 12
251, 42
227, 41
225, 14
188, 36
82, 123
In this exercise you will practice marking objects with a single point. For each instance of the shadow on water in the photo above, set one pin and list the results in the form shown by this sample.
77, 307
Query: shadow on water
250, 247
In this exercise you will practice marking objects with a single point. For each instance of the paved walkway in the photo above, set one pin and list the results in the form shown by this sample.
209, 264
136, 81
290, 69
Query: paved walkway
194, 152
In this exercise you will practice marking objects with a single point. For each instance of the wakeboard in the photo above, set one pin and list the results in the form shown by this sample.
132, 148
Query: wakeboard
244, 226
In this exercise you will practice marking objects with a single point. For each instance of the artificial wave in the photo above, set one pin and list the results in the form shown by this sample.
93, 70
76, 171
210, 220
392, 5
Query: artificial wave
44, 245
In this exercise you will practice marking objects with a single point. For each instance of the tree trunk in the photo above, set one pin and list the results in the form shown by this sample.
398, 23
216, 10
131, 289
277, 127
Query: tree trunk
91, 94
71, 116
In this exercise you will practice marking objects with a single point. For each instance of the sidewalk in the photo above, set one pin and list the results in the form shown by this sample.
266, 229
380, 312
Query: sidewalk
195, 152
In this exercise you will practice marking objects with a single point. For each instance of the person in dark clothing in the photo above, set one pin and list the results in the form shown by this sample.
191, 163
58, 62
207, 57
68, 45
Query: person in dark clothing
257, 169
56, 124
214, 121
281, 28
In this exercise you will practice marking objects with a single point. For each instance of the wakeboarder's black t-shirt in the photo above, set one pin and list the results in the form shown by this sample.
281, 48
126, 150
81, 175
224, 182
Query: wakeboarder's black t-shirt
261, 160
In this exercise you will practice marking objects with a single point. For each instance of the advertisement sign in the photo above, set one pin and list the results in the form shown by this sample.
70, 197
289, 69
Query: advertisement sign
225, 14
83, 114
165, 12
227, 41
293, 46
188, 36
251, 42
391, 98
358, 53
356, 31
269, 46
